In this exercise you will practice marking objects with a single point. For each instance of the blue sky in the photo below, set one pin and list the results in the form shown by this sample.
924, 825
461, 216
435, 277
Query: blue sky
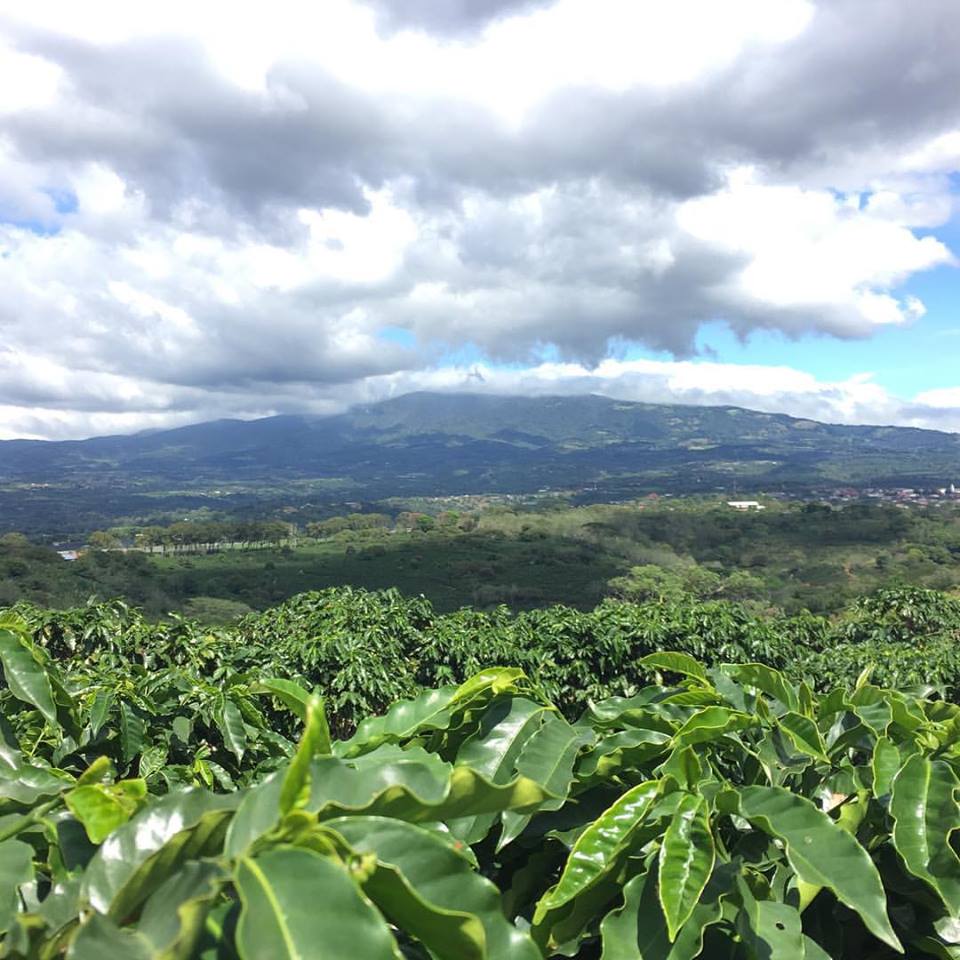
907, 360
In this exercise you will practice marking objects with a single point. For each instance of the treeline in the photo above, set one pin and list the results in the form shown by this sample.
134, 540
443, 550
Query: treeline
188, 533
360, 525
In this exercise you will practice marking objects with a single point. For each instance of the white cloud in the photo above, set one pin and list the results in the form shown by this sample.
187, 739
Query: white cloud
774, 389
813, 250
256, 205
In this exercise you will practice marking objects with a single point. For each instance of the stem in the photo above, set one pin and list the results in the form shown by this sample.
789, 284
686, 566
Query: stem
29, 819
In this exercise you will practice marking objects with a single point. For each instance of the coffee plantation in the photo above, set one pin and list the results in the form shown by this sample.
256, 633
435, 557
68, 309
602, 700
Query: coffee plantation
350, 775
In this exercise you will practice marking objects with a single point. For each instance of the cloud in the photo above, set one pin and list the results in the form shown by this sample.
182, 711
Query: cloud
197, 222
55, 403
453, 17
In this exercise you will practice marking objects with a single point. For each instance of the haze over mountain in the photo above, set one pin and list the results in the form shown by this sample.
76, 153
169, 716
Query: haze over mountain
427, 443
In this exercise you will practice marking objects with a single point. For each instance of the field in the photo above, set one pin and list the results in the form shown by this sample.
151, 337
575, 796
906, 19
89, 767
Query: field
792, 556
659, 730
355, 774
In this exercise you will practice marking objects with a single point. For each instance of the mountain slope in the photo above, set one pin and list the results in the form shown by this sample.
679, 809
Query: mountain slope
425, 443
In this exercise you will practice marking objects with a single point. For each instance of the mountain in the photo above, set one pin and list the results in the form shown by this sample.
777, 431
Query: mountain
432, 444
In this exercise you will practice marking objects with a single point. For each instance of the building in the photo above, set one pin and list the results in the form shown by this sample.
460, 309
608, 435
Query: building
745, 505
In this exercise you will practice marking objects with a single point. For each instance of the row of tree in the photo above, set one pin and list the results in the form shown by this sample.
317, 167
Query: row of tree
203, 533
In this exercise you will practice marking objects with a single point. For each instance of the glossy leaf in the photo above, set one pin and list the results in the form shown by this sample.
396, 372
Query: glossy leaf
27, 679
772, 930
925, 812
141, 854
709, 724
432, 710
411, 789
674, 662
638, 930
231, 726
16, 868
290, 694
295, 786
493, 751
100, 937
547, 758
101, 808
598, 846
133, 733
413, 863
687, 857
804, 734
766, 680
821, 853
885, 766
173, 918
298, 904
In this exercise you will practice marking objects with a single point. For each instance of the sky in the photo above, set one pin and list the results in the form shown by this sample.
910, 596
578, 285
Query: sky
235, 210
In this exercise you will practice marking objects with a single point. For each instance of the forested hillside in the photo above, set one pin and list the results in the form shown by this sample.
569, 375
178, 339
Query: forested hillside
790, 556
446, 444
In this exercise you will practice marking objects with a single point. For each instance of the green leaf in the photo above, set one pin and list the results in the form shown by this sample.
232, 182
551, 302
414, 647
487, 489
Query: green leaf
16, 868
410, 785
687, 855
182, 729
493, 751
885, 764
173, 918
101, 808
673, 662
100, 710
598, 847
27, 679
629, 749
709, 724
297, 904
766, 680
638, 931
820, 852
925, 812
428, 889
169, 927
99, 771
684, 766
232, 728
290, 694
772, 930
29, 783
133, 733
547, 758
142, 853
315, 740
432, 710
99, 937
804, 734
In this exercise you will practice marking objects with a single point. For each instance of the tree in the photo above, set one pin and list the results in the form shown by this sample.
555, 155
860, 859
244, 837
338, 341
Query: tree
102, 540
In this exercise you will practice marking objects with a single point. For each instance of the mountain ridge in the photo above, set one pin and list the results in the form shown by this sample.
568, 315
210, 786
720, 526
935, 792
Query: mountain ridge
511, 400
437, 444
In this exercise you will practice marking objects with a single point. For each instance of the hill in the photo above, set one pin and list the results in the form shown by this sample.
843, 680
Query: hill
425, 444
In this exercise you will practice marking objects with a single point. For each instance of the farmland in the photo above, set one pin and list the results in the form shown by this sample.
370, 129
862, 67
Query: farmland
353, 771
790, 557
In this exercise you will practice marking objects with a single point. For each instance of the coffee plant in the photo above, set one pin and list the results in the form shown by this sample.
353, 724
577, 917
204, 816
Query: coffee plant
169, 792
